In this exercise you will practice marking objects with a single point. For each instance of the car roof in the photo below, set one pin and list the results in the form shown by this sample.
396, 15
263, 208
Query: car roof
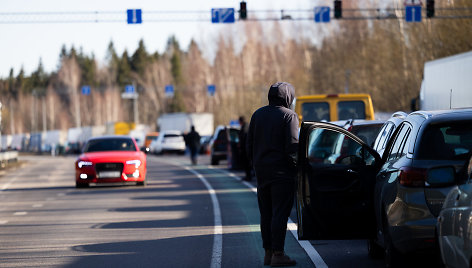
440, 115
110, 137
356, 122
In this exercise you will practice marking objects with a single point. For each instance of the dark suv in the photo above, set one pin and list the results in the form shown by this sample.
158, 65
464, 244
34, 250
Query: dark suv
223, 139
391, 200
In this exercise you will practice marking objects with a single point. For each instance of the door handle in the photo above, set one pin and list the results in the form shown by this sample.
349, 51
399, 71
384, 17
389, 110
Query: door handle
352, 171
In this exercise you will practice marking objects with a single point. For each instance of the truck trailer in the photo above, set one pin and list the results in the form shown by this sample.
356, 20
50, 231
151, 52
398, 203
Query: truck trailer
447, 83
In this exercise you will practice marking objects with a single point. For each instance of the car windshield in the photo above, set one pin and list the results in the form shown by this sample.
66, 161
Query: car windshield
446, 141
109, 144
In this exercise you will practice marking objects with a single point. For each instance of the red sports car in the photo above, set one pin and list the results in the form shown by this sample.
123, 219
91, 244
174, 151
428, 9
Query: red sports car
110, 159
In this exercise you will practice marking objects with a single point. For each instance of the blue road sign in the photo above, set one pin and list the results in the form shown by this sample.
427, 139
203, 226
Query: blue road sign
129, 89
169, 90
86, 90
222, 15
322, 14
134, 16
413, 13
211, 90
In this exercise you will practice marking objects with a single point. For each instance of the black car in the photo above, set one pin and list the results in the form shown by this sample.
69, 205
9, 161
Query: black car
224, 138
393, 200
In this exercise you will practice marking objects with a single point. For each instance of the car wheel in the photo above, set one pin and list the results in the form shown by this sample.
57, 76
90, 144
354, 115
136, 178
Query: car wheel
374, 250
81, 185
214, 161
141, 183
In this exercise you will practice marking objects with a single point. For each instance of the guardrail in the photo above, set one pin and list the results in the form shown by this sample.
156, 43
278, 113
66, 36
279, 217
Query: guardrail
8, 157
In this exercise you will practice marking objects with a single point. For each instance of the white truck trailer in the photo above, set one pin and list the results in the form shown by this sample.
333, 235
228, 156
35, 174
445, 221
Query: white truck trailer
447, 83
203, 122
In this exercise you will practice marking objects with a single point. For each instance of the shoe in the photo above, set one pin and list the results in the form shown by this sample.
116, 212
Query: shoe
268, 256
280, 259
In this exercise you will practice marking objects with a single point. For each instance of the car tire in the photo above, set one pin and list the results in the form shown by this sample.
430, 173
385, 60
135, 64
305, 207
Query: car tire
141, 183
81, 185
214, 161
374, 250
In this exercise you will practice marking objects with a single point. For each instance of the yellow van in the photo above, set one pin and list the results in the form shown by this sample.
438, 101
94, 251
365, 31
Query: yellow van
334, 107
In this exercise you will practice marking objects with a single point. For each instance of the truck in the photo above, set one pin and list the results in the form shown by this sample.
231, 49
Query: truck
447, 83
182, 122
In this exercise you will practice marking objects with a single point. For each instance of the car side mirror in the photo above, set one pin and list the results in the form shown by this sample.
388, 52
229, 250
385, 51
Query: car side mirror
145, 150
441, 176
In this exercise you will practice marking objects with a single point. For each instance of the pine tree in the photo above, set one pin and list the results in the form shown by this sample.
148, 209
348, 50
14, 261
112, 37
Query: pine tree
124, 70
139, 59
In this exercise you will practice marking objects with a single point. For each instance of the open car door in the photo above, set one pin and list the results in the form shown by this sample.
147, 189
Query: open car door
336, 179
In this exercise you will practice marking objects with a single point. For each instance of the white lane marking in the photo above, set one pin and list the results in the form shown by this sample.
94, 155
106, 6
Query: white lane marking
61, 194
20, 213
307, 246
3, 222
37, 205
6, 185
218, 229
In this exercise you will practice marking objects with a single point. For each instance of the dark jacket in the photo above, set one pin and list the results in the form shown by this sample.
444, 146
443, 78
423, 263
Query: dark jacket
272, 140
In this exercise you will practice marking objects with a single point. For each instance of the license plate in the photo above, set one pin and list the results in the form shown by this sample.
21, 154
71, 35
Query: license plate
109, 174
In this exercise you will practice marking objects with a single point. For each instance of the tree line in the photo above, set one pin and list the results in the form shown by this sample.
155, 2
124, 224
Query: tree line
384, 58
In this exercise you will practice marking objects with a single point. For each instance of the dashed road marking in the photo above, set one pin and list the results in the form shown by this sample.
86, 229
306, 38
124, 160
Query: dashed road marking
37, 205
3, 222
20, 213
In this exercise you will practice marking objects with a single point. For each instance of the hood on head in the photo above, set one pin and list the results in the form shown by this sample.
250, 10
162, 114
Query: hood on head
281, 94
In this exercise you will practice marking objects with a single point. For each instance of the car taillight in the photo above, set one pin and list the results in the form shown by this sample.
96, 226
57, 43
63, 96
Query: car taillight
413, 177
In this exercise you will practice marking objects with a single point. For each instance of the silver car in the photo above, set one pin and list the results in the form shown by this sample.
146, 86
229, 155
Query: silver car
455, 222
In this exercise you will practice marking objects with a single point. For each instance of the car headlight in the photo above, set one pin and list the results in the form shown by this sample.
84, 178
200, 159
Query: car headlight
136, 163
80, 164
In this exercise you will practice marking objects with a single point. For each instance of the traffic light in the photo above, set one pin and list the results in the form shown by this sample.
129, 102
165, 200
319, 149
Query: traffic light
430, 8
242, 11
338, 11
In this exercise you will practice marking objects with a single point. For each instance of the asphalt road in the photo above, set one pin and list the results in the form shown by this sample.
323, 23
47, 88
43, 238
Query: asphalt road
187, 216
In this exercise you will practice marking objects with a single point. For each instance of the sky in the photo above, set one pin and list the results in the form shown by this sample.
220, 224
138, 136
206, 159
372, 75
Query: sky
24, 44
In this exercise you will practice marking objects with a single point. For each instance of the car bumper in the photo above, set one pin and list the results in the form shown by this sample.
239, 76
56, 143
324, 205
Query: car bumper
90, 176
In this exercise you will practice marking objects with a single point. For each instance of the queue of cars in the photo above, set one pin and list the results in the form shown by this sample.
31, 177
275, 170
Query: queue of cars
393, 199
403, 185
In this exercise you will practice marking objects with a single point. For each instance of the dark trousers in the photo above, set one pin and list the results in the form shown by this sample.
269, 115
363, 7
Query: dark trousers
275, 204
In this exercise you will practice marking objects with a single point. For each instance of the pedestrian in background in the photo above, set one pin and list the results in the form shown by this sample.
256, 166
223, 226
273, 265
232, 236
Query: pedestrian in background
272, 144
242, 149
192, 140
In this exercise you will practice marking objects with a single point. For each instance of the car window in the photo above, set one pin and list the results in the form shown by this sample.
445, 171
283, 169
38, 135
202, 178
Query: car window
234, 135
351, 110
315, 111
367, 133
396, 151
112, 144
452, 141
383, 136
331, 147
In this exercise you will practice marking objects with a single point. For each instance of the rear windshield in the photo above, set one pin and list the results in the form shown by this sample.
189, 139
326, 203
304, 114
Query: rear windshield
351, 110
367, 133
446, 141
114, 144
315, 111
171, 135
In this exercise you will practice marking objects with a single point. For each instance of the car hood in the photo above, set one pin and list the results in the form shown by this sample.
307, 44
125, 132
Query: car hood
112, 156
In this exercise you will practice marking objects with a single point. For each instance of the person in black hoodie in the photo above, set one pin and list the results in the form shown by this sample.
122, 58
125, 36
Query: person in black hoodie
272, 144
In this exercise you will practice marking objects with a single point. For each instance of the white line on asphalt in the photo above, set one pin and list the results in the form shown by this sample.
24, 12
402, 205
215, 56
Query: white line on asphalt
307, 246
37, 205
3, 222
20, 213
218, 231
